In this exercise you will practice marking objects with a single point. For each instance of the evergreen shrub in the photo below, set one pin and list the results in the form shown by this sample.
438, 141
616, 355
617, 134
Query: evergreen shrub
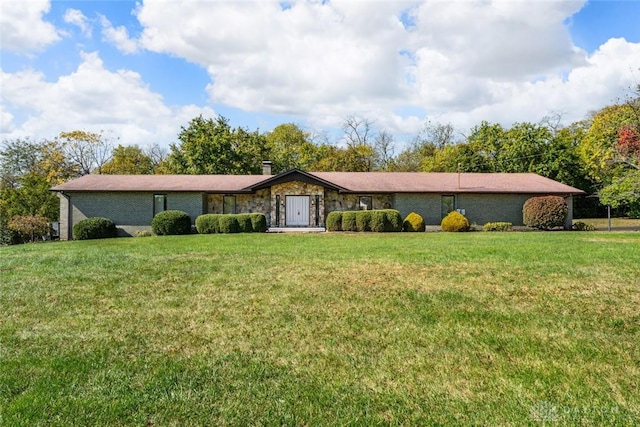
413, 222
363, 220
258, 222
228, 224
95, 228
244, 223
583, 226
378, 221
334, 221
349, 221
545, 212
208, 224
171, 222
498, 226
455, 221
393, 220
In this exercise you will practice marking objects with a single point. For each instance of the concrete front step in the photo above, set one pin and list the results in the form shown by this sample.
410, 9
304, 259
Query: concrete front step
296, 230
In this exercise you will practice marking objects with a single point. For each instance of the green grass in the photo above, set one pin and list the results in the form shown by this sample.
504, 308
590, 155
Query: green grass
323, 329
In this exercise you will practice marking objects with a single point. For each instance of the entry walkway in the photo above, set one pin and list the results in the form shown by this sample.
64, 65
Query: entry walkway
296, 230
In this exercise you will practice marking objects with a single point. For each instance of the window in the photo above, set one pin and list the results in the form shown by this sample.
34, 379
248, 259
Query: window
159, 203
277, 210
229, 204
447, 204
366, 203
317, 210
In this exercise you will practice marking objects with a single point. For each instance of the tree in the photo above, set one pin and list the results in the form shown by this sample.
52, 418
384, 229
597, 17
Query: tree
290, 147
88, 151
128, 160
213, 147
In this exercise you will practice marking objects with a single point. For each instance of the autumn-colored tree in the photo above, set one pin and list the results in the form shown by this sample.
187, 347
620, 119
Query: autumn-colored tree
128, 160
87, 151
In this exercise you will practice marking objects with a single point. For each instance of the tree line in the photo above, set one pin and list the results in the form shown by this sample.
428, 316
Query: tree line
599, 155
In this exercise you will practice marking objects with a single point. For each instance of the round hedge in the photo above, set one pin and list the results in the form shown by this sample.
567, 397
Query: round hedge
207, 224
363, 220
349, 221
95, 228
393, 220
258, 223
455, 221
171, 222
545, 212
413, 222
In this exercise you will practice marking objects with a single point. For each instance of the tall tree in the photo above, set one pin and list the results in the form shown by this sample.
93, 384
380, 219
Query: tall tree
128, 160
210, 146
89, 151
290, 147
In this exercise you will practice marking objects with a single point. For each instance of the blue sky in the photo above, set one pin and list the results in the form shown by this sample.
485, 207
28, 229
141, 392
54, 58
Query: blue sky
140, 71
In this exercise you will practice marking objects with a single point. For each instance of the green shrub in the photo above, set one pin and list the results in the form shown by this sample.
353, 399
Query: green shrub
228, 224
208, 224
171, 222
583, 226
349, 221
378, 220
413, 222
393, 220
95, 228
258, 222
244, 223
334, 221
363, 220
545, 212
143, 233
498, 226
455, 221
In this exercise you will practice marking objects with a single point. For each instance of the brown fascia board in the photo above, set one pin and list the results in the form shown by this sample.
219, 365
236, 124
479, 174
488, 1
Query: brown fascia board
306, 177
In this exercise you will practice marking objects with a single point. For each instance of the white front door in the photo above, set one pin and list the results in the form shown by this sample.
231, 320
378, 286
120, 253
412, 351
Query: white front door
297, 208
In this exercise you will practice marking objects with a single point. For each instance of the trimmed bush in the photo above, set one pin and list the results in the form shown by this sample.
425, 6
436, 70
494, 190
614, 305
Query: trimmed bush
208, 224
244, 223
583, 226
259, 223
498, 226
393, 220
378, 220
228, 224
349, 221
545, 212
334, 221
30, 228
143, 233
413, 222
95, 228
172, 222
455, 221
363, 220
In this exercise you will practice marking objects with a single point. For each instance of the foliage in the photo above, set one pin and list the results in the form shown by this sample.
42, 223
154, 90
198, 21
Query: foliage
94, 228
498, 226
228, 224
413, 222
545, 212
143, 233
213, 147
258, 222
363, 220
583, 226
171, 222
208, 224
349, 221
334, 221
623, 192
87, 151
377, 220
231, 223
129, 160
455, 222
393, 221
30, 228
290, 147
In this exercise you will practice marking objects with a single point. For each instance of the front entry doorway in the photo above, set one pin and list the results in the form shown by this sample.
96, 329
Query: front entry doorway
297, 211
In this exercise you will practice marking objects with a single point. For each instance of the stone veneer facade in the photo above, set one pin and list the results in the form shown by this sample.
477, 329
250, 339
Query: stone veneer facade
297, 188
245, 203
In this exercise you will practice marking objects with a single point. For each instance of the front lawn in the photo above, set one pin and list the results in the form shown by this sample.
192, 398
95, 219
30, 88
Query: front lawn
323, 329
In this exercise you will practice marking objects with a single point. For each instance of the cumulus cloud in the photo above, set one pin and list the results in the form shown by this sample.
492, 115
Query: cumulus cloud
22, 28
118, 36
95, 99
77, 18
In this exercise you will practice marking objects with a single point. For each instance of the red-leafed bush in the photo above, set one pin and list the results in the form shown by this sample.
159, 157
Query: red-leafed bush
545, 212
30, 227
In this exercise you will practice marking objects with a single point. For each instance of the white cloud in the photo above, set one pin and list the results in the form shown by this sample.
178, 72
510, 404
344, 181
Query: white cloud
77, 18
92, 98
22, 28
118, 36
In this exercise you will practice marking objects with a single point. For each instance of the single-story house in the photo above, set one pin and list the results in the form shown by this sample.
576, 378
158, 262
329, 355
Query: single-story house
302, 199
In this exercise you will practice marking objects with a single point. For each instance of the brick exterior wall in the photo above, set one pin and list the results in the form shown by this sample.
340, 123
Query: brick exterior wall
130, 211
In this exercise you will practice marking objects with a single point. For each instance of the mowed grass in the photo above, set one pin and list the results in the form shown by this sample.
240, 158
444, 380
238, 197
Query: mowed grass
323, 329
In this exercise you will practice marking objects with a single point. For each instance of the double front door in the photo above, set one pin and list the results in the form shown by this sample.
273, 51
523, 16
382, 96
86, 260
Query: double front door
297, 211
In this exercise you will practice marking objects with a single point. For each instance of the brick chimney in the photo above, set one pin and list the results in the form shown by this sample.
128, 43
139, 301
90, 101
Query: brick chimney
266, 167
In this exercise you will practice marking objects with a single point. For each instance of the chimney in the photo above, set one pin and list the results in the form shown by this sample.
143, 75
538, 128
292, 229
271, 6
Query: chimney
266, 167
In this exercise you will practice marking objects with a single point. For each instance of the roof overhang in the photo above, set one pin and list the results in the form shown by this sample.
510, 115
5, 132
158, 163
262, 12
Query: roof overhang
295, 175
